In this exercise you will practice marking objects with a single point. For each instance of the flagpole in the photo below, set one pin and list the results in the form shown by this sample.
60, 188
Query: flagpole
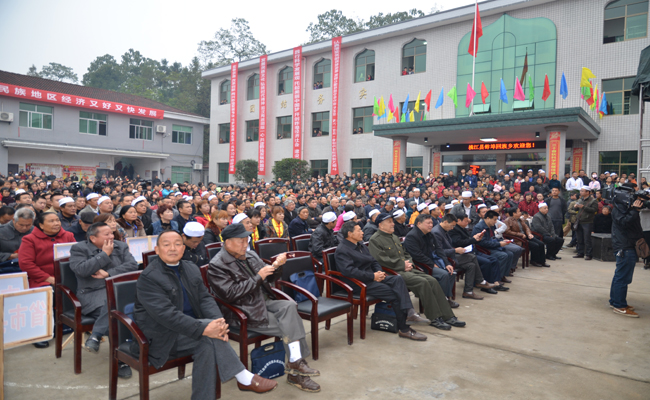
471, 111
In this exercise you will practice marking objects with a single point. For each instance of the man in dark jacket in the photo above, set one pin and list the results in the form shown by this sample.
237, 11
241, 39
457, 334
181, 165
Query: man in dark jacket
314, 213
79, 229
557, 208
299, 225
195, 251
323, 236
177, 314
496, 247
289, 211
543, 225
587, 208
370, 227
401, 230
12, 233
241, 278
140, 205
92, 261
68, 214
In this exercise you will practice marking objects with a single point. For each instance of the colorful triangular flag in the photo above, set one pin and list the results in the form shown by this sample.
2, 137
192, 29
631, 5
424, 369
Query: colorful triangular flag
405, 107
411, 117
586, 75
603, 106
375, 107
454, 96
531, 89
403, 117
519, 91
417, 103
441, 98
470, 96
391, 107
503, 95
477, 31
484, 92
427, 100
547, 89
564, 89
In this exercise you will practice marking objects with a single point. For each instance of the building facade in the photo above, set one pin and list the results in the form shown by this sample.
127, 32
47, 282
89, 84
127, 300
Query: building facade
532, 40
62, 129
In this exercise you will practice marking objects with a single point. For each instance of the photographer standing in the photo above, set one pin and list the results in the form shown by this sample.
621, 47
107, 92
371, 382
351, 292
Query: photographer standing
587, 208
626, 231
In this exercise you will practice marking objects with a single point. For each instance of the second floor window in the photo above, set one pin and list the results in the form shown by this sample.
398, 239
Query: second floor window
224, 93
92, 123
141, 129
625, 20
619, 96
364, 66
284, 127
253, 92
34, 116
181, 134
322, 74
253, 130
224, 133
362, 120
414, 57
320, 124
285, 82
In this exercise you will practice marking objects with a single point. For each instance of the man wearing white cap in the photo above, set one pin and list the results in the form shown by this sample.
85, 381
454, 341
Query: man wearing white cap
466, 207
401, 204
587, 208
141, 207
435, 212
543, 224
399, 217
68, 214
416, 196
370, 227
422, 208
193, 240
323, 236
91, 203
104, 205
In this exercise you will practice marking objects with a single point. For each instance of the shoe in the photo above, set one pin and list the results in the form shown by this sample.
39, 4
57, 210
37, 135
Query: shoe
626, 312
505, 280
124, 371
571, 245
92, 344
259, 385
42, 345
557, 258
579, 256
416, 319
300, 367
485, 285
535, 264
303, 383
501, 288
628, 307
473, 295
413, 335
551, 258
440, 324
453, 321
453, 304
490, 291
587, 258
545, 265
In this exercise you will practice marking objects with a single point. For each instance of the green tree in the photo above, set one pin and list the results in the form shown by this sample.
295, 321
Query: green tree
291, 168
230, 45
246, 171
332, 24
55, 72
379, 20
103, 73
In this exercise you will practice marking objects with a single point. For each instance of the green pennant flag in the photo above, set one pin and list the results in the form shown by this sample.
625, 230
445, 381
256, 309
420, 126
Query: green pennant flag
375, 107
403, 118
531, 89
424, 116
454, 96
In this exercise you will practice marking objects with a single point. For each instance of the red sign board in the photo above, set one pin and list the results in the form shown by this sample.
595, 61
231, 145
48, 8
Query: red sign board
577, 159
336, 58
261, 164
554, 153
234, 68
297, 109
396, 156
46, 96
436, 163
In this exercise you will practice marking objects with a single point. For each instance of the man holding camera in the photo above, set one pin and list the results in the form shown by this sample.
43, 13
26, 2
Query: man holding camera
626, 231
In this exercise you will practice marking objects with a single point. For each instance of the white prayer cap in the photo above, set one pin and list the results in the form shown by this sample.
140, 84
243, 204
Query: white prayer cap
520, 170
194, 229
175, 185
467, 194
433, 206
92, 196
542, 204
541, 171
448, 206
382, 191
373, 212
585, 187
136, 200
500, 171
102, 199
391, 198
479, 198
511, 172
134, 191
416, 189
19, 191
399, 199
396, 214
445, 174
454, 201
212, 197
613, 173
481, 206
205, 193
188, 198
421, 206
65, 200
349, 216
606, 172
331, 217
239, 218
530, 170
259, 203
493, 208
178, 194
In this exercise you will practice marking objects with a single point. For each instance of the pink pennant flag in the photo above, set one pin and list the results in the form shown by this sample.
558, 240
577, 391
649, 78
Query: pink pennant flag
470, 96
391, 107
519, 91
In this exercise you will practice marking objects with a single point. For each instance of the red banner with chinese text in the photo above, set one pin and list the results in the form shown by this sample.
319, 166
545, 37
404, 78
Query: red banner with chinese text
577, 159
297, 106
554, 154
261, 164
336, 63
436, 164
234, 67
26, 93
396, 151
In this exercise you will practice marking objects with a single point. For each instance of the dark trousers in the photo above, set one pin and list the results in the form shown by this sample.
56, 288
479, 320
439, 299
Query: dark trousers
584, 244
504, 259
557, 226
489, 267
392, 290
468, 263
625, 263
100, 315
537, 251
445, 279
554, 244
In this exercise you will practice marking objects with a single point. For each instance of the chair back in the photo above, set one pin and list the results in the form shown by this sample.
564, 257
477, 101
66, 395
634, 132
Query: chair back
267, 248
301, 242
64, 276
297, 261
147, 257
204, 275
213, 249
329, 263
120, 292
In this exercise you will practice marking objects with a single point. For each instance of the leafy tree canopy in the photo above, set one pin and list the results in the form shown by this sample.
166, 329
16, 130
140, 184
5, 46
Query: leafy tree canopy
54, 71
231, 45
246, 171
291, 168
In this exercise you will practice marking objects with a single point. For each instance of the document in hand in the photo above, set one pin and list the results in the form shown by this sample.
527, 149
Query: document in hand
468, 249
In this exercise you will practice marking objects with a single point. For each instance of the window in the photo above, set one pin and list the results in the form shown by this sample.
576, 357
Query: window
322, 74
224, 133
417, 115
320, 124
361, 166
224, 93
222, 172
625, 20
284, 127
253, 130
141, 129
413, 164
319, 168
181, 174
361, 120
181, 134
364, 66
619, 96
621, 162
414, 57
33, 116
285, 84
92, 123
253, 86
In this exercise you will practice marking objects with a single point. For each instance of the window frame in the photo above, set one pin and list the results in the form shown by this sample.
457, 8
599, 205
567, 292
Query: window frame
223, 168
356, 119
318, 123
224, 128
316, 170
224, 95
324, 73
139, 127
411, 107
632, 103
253, 92
176, 131
279, 133
30, 119
404, 63
254, 126
409, 169
99, 123
616, 167
287, 72
363, 170
624, 18
366, 66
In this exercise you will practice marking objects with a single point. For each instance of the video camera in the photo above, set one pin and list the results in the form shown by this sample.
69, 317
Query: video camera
627, 196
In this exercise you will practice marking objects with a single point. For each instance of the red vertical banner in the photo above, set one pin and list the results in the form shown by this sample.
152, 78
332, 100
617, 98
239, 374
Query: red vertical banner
336, 63
436, 164
554, 154
233, 117
297, 106
577, 159
396, 151
261, 164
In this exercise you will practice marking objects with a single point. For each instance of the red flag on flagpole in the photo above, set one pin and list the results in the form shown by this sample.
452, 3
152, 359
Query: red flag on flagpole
427, 100
547, 89
477, 32
484, 92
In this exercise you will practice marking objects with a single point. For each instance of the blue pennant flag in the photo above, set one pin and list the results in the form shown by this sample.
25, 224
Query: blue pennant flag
504, 92
441, 98
564, 90
603, 104
405, 107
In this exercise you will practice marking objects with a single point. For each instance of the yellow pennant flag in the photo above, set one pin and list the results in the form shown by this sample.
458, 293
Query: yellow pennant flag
586, 75
382, 106
417, 103
595, 103
390, 115
411, 117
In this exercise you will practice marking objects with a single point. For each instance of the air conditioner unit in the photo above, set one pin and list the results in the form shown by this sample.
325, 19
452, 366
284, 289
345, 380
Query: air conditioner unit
198, 167
6, 117
161, 129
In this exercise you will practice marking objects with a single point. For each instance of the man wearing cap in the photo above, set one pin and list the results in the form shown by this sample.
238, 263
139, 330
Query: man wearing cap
543, 225
435, 212
194, 247
518, 228
401, 204
587, 208
68, 213
241, 278
140, 205
466, 207
471, 179
422, 208
104, 205
79, 229
399, 217
370, 227
416, 196
92, 261
91, 203
323, 236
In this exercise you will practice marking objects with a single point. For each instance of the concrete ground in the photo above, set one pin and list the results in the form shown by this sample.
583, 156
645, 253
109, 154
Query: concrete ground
552, 336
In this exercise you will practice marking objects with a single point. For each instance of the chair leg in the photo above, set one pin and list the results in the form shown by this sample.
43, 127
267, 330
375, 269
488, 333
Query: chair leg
362, 321
421, 306
78, 338
328, 323
243, 352
181, 372
218, 394
314, 339
350, 328
453, 291
58, 341
112, 377
355, 309
144, 383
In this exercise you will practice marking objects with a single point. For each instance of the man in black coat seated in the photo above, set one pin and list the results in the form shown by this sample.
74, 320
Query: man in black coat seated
79, 229
12, 233
603, 222
194, 247
401, 230
323, 236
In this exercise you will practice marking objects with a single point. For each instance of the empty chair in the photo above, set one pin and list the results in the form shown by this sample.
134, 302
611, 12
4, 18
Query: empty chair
268, 248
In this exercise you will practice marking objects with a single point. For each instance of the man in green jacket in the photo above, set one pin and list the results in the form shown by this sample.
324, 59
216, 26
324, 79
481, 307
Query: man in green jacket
587, 208
386, 248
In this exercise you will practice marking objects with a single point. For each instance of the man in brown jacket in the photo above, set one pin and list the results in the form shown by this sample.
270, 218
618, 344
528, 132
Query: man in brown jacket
516, 227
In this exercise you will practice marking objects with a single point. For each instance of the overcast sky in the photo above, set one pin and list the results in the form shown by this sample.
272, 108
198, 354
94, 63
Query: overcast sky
74, 33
